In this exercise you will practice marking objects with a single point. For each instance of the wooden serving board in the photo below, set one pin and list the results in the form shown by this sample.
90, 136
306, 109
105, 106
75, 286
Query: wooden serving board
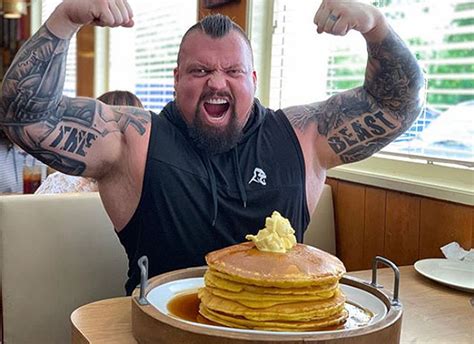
151, 326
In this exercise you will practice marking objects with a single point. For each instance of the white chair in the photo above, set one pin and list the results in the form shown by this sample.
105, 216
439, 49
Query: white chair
321, 231
57, 253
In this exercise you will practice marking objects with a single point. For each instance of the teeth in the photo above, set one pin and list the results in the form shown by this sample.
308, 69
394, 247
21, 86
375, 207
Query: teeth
216, 101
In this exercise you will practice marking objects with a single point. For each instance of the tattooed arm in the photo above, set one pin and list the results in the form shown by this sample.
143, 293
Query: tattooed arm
354, 124
78, 136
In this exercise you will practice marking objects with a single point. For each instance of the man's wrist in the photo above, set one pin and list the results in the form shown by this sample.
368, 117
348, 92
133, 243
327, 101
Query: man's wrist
60, 25
380, 29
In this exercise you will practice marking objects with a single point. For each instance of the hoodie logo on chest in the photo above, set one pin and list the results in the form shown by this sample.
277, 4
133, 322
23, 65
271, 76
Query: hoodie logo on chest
259, 176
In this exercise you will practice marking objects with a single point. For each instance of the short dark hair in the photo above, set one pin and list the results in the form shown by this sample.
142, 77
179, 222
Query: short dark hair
216, 26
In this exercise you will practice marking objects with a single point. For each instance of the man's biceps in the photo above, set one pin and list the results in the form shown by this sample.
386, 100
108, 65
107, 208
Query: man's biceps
73, 141
363, 132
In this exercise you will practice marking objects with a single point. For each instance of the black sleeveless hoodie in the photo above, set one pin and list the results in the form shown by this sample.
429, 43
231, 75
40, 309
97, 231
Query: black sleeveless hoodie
193, 203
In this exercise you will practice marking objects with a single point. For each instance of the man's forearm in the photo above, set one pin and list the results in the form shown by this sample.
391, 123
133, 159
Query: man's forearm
32, 100
32, 87
393, 78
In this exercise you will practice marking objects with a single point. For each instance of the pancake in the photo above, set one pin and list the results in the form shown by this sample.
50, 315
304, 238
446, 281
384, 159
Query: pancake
266, 300
273, 283
302, 266
237, 322
219, 280
295, 311
293, 291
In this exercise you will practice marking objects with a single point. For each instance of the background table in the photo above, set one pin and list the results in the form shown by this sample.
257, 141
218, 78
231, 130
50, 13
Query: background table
433, 313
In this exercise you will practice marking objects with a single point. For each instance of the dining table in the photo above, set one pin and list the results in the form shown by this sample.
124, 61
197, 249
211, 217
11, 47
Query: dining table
432, 312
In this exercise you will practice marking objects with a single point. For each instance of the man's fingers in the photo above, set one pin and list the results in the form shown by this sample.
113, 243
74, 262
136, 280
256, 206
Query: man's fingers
130, 14
117, 13
331, 20
125, 11
129, 8
317, 16
106, 18
118, 18
321, 20
340, 28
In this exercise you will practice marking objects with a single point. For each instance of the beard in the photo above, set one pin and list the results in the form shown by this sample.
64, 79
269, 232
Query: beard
214, 140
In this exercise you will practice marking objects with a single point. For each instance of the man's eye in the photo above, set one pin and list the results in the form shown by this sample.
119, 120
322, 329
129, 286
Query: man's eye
234, 72
199, 71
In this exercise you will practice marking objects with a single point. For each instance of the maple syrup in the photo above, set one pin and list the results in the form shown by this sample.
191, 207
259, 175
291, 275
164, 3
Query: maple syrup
186, 306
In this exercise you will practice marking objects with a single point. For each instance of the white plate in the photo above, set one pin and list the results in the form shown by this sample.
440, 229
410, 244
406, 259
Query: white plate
161, 295
454, 273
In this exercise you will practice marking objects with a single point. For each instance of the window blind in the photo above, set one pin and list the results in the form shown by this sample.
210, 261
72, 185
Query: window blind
47, 7
142, 58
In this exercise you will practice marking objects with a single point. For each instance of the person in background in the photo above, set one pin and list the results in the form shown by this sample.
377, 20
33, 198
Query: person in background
11, 166
122, 98
214, 163
58, 182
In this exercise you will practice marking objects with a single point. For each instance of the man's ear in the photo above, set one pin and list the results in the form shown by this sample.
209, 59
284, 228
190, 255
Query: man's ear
176, 76
254, 77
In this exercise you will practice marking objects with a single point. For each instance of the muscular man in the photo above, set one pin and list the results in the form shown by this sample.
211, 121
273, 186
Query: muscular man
215, 162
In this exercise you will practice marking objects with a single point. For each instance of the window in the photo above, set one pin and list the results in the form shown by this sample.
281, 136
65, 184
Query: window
307, 67
142, 58
47, 7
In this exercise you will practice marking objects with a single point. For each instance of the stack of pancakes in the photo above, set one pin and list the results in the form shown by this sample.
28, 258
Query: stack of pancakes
293, 291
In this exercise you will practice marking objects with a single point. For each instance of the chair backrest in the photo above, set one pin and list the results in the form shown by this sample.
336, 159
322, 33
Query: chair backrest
321, 231
57, 252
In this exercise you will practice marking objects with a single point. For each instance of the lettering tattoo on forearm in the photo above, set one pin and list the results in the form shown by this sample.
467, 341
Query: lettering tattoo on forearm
361, 121
56, 129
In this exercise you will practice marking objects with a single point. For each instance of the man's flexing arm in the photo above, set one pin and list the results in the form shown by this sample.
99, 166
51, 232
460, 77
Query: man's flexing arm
354, 124
78, 136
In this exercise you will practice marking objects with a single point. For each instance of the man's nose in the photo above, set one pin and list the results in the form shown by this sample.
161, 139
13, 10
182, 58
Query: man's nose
217, 81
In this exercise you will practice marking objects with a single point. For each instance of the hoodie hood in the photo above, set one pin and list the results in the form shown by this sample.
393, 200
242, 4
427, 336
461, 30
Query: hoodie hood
172, 113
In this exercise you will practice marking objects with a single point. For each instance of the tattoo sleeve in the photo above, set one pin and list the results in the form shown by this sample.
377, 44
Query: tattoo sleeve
359, 122
58, 130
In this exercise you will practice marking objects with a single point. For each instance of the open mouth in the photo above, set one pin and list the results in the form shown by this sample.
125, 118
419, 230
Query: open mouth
216, 107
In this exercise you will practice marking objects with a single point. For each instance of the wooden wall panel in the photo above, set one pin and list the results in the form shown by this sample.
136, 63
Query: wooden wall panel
349, 212
237, 11
333, 183
374, 224
402, 228
85, 62
441, 223
399, 226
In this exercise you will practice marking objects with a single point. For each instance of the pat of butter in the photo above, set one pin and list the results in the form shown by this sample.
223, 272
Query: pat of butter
277, 236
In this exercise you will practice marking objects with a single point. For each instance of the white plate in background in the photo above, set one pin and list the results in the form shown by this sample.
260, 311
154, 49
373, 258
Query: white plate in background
453, 273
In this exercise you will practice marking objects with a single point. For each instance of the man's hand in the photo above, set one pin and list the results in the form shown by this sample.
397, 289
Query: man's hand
110, 13
337, 17
70, 15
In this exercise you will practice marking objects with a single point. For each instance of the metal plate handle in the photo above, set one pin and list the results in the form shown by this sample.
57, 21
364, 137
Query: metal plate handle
143, 265
396, 284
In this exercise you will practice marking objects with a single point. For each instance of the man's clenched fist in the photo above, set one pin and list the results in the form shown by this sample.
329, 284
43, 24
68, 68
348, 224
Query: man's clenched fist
337, 17
109, 13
